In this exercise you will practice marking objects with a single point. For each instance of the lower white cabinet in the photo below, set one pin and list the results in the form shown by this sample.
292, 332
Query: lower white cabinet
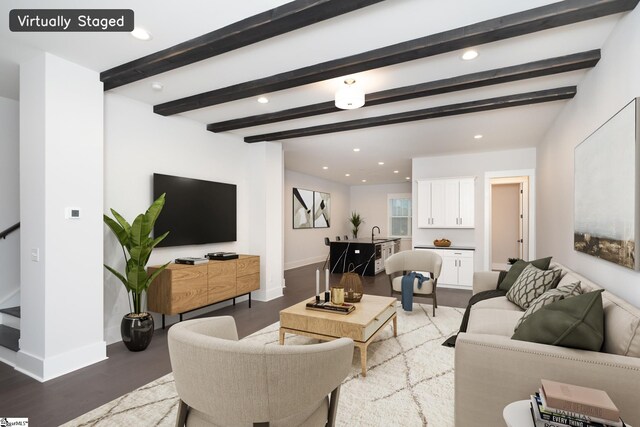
457, 267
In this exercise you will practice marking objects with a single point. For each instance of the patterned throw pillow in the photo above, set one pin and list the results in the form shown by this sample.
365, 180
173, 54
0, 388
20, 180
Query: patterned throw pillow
552, 295
531, 283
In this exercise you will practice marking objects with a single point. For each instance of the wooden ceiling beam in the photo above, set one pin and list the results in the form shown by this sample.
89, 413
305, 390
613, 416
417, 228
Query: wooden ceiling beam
282, 19
517, 24
529, 70
424, 114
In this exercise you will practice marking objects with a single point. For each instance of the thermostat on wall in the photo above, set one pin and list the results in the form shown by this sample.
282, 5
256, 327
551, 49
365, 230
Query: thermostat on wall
72, 213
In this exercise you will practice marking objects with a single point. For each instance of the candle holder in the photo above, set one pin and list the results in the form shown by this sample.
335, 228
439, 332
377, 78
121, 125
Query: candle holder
327, 296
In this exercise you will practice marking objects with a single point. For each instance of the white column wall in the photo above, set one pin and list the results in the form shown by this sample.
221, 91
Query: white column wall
61, 166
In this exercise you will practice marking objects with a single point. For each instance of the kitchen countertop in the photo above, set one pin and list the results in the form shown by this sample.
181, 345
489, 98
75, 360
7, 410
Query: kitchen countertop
366, 240
452, 247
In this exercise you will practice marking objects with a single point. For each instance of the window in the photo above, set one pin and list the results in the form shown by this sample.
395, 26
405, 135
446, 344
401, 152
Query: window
400, 215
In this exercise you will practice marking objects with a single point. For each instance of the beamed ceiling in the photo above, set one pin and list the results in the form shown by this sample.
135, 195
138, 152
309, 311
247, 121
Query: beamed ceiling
422, 99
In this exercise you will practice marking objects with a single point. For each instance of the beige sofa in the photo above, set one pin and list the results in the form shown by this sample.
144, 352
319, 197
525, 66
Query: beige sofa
492, 370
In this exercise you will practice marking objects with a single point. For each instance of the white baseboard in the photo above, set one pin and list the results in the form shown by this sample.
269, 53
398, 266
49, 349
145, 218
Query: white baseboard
302, 262
467, 288
268, 295
60, 364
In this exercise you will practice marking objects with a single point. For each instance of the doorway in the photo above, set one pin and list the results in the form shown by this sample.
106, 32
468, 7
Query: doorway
509, 217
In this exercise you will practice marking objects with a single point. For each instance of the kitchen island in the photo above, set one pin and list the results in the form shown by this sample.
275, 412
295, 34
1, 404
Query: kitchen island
365, 254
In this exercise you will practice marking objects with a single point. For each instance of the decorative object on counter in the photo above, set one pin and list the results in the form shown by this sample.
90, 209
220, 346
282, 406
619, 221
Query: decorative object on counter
442, 243
137, 327
356, 221
337, 295
352, 284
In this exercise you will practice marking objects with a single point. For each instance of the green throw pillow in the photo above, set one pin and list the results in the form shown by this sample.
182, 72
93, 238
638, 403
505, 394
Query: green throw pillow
574, 322
532, 283
516, 269
551, 296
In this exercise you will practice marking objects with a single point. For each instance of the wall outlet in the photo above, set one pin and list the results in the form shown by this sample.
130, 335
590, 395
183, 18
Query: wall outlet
72, 213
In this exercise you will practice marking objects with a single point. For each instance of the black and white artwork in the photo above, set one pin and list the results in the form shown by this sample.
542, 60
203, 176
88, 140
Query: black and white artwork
606, 218
321, 210
302, 208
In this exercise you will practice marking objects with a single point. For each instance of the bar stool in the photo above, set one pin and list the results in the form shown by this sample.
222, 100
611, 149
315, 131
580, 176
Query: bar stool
337, 238
346, 237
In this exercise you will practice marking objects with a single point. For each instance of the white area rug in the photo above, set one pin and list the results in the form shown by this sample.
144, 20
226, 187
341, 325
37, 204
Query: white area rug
409, 379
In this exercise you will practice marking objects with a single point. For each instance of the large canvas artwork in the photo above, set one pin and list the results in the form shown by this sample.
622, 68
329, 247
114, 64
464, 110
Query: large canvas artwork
606, 186
302, 208
321, 209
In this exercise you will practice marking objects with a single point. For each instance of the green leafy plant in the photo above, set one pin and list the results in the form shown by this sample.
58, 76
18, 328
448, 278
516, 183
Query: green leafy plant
137, 245
512, 260
356, 221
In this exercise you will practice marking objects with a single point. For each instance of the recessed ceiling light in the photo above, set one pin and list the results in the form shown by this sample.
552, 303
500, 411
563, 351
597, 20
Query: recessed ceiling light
356, 149
263, 100
478, 136
157, 86
325, 167
141, 34
364, 180
469, 55
396, 171
347, 174
408, 177
381, 163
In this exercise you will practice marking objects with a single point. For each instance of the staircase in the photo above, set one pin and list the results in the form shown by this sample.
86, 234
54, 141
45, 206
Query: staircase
9, 334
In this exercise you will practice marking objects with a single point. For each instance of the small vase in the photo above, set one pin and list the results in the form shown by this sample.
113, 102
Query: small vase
137, 331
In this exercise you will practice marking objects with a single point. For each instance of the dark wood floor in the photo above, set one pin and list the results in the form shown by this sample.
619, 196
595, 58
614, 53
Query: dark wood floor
69, 396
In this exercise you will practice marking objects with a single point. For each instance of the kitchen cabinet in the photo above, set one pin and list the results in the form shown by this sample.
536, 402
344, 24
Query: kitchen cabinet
446, 203
457, 266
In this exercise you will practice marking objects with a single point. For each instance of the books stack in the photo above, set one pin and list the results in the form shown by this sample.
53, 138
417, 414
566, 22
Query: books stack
328, 307
560, 405
191, 260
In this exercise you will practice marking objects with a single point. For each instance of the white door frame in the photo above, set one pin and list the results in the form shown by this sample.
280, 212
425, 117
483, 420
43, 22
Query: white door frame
488, 176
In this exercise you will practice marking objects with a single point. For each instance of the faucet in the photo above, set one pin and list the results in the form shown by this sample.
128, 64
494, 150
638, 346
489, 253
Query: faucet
374, 227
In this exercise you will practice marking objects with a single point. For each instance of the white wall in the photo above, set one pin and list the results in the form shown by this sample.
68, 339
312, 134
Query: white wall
465, 165
61, 144
605, 90
372, 203
139, 143
306, 246
9, 202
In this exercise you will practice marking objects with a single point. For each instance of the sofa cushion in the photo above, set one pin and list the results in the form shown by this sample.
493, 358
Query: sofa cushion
551, 296
493, 321
574, 322
532, 283
427, 286
517, 268
499, 302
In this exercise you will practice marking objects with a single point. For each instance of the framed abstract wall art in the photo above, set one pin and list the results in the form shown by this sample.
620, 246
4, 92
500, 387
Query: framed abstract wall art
607, 190
311, 209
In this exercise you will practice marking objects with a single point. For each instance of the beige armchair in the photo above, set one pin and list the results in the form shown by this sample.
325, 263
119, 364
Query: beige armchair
225, 382
425, 262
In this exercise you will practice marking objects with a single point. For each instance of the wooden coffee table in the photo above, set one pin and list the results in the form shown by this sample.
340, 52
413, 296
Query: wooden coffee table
371, 315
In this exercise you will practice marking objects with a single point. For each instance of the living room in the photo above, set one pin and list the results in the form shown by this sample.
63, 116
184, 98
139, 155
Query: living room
72, 143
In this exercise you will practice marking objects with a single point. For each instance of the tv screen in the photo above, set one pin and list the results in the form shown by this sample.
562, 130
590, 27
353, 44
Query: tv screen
195, 211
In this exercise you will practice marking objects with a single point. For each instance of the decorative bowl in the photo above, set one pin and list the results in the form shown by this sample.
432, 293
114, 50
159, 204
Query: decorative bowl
442, 243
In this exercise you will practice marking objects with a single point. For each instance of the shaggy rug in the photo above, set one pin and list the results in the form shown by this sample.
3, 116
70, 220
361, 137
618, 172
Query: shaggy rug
409, 379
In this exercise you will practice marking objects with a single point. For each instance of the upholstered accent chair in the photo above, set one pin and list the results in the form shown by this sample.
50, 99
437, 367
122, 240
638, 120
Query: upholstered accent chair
426, 262
225, 382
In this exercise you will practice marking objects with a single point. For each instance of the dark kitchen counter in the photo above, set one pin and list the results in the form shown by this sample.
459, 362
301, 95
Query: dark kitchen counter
367, 240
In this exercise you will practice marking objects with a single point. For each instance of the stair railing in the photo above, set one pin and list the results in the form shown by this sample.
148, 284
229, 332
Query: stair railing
5, 233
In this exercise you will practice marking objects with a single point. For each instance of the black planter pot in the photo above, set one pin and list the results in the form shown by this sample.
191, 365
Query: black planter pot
137, 331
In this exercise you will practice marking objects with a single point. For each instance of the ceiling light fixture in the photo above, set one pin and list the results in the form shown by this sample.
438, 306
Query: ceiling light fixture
157, 86
396, 171
364, 180
263, 100
347, 174
350, 96
407, 178
325, 167
356, 149
381, 163
478, 136
141, 34
470, 54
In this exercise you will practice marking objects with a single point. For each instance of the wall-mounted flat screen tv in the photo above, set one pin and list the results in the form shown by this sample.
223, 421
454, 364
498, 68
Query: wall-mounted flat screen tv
196, 212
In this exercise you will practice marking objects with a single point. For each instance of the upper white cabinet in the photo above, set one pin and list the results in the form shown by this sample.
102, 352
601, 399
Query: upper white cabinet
446, 203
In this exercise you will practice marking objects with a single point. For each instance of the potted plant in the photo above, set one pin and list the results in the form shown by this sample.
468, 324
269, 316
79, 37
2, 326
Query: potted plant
356, 221
136, 327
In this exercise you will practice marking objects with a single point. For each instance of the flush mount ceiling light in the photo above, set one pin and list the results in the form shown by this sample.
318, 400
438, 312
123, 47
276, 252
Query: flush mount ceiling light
469, 55
478, 136
325, 167
141, 34
408, 178
364, 180
381, 163
347, 174
157, 86
356, 149
349, 96
396, 171
263, 100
